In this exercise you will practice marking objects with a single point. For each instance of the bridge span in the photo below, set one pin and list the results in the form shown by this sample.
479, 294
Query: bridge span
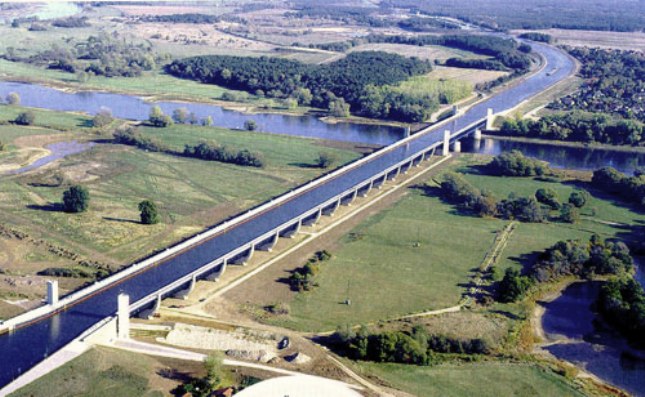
30, 338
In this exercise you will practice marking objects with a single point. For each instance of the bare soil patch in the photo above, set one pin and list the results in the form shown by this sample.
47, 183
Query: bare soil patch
590, 38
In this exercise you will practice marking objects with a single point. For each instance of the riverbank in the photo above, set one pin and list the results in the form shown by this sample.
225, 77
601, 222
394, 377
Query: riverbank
581, 145
589, 345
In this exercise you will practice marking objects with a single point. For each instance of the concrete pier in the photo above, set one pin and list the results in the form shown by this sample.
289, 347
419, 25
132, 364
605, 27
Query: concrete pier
489, 119
477, 134
123, 317
445, 150
52, 292
267, 245
456, 147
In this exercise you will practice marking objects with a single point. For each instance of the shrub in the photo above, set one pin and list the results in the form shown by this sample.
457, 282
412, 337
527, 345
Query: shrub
25, 118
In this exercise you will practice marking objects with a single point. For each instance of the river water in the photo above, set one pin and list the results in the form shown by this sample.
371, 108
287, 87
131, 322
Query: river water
134, 108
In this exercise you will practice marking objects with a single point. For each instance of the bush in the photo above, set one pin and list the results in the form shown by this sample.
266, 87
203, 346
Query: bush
103, 118
569, 213
514, 163
25, 118
325, 160
76, 199
548, 197
578, 198
158, 119
250, 125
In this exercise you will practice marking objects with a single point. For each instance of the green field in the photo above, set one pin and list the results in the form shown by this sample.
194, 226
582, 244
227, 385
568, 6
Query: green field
485, 379
191, 193
103, 372
385, 276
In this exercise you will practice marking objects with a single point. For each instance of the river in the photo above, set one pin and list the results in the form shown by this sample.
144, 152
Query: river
134, 108
599, 350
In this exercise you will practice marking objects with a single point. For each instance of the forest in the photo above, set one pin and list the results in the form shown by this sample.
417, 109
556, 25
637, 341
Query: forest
537, 14
613, 83
324, 86
578, 127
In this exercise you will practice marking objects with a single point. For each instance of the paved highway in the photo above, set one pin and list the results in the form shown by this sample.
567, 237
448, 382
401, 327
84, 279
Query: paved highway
25, 347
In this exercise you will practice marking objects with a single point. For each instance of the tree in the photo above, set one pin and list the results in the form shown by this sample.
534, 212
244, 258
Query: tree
149, 213
207, 121
549, 197
513, 286
180, 115
325, 160
13, 98
102, 118
213, 366
339, 108
158, 118
569, 213
25, 118
578, 198
76, 199
250, 125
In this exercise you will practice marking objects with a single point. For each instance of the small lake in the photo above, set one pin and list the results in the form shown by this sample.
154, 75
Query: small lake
601, 352
58, 151
134, 108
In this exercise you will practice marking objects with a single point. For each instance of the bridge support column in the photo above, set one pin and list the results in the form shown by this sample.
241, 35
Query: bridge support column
352, 198
123, 317
295, 230
477, 134
367, 190
217, 274
489, 119
407, 131
446, 143
268, 244
52, 292
332, 209
456, 147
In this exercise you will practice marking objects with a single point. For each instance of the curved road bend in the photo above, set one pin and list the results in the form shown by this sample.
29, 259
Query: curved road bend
27, 346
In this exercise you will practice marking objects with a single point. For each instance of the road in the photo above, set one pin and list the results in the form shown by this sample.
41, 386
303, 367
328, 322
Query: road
25, 347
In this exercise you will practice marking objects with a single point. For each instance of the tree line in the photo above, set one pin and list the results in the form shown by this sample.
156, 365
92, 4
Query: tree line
203, 151
508, 52
578, 127
333, 86
302, 278
622, 303
455, 189
413, 347
537, 36
195, 18
613, 83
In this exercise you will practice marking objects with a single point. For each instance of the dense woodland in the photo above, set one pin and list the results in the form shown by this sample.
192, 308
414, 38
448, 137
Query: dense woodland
614, 83
183, 18
578, 127
351, 79
536, 14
